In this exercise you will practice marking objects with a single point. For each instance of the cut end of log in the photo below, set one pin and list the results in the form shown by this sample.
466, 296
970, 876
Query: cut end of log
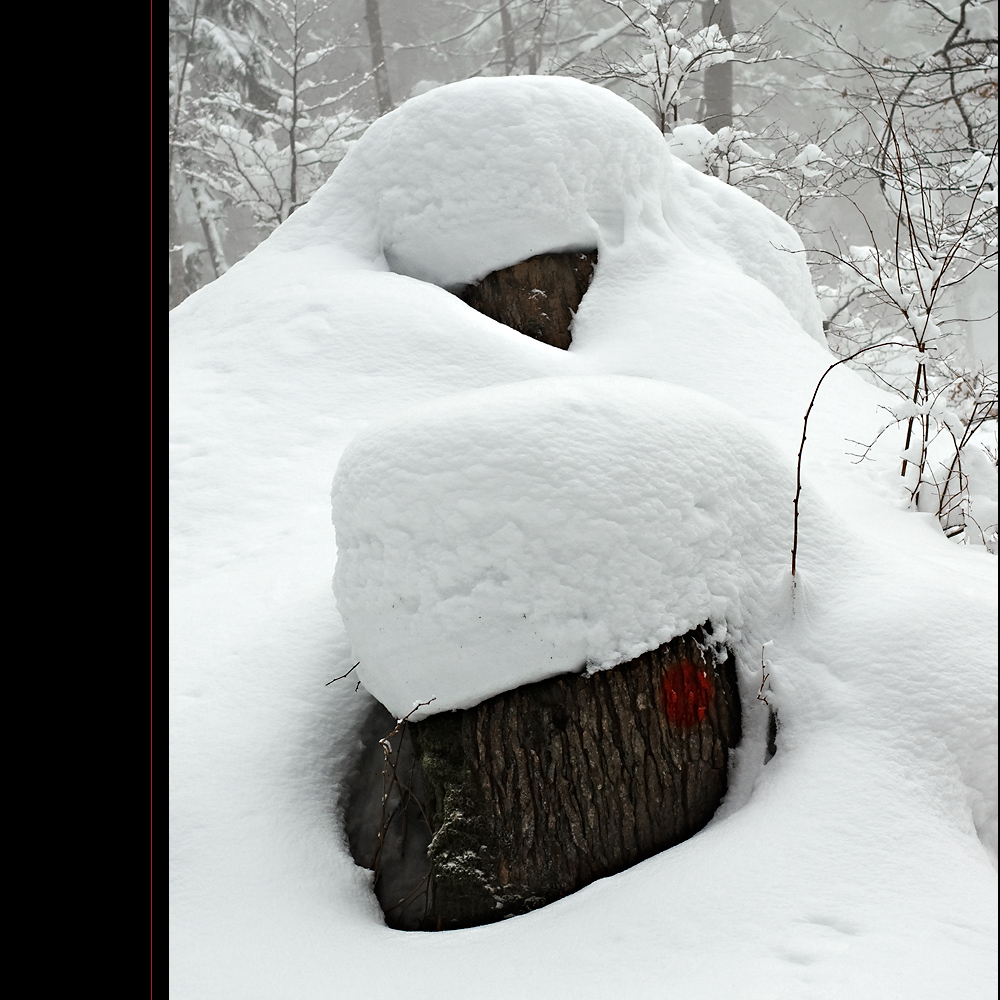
538, 297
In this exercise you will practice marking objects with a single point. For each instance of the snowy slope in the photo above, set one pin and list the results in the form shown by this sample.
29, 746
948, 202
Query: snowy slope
860, 861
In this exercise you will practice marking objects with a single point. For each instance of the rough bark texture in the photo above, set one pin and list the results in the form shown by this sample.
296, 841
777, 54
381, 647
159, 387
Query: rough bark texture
539, 791
538, 296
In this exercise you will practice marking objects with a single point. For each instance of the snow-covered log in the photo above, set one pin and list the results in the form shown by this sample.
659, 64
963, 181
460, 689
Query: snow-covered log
492, 546
858, 863
537, 297
506, 535
537, 792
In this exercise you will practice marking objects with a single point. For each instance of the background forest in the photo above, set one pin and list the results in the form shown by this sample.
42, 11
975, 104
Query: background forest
870, 126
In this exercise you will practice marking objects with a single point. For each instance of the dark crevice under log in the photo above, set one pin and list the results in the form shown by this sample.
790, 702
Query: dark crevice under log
537, 792
538, 297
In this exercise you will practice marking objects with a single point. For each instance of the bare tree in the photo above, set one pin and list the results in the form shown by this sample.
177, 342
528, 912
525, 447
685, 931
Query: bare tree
213, 46
260, 116
930, 149
271, 157
663, 59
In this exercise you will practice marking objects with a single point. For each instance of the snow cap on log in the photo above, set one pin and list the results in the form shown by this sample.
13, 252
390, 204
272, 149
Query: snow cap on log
479, 175
506, 535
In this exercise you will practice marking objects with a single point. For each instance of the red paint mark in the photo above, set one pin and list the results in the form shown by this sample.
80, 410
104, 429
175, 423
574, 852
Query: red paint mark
687, 692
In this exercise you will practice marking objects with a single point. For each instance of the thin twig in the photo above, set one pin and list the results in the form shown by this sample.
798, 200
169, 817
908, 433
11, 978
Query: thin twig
390, 779
342, 676
765, 674
802, 443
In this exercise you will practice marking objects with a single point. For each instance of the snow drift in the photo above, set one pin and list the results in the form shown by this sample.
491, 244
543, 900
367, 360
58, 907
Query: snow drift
850, 865
474, 177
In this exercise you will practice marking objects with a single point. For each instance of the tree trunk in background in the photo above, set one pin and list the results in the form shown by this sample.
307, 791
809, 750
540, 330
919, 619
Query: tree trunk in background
374, 23
178, 292
539, 296
507, 29
535, 793
208, 216
719, 78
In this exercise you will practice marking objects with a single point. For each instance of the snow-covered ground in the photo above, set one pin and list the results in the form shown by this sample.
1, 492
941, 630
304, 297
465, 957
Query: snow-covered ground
611, 495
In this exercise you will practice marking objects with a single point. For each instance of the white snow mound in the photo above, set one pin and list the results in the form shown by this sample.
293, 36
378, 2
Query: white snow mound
481, 174
506, 535
850, 866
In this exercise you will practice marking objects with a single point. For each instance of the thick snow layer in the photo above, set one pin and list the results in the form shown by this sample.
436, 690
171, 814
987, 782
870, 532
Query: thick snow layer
857, 863
502, 536
477, 176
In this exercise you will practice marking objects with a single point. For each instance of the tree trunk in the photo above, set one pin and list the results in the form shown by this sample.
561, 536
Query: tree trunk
374, 23
208, 211
482, 814
468, 817
178, 292
507, 29
719, 78
538, 296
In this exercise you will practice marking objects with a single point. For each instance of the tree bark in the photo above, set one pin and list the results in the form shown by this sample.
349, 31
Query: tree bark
507, 30
374, 22
535, 793
719, 78
539, 296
